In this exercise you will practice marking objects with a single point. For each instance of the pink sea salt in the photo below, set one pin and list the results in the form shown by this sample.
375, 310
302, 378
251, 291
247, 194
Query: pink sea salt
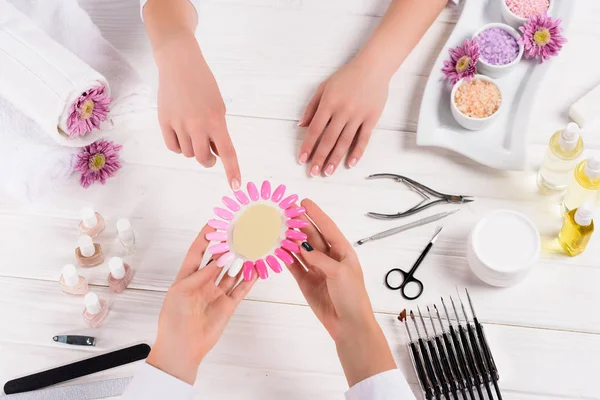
527, 8
478, 98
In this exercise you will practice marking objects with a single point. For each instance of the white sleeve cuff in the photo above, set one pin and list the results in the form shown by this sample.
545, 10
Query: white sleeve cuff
388, 385
151, 383
195, 3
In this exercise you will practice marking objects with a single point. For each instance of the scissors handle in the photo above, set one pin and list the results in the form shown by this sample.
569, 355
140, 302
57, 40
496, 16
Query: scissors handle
407, 277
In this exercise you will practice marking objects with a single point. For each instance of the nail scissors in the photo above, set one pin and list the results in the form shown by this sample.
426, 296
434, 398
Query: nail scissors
408, 277
424, 191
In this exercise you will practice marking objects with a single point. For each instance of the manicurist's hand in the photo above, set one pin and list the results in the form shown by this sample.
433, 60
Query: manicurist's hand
194, 314
343, 113
334, 288
191, 110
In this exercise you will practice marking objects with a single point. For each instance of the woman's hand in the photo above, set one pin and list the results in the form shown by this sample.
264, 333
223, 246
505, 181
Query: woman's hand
334, 288
343, 113
191, 111
194, 314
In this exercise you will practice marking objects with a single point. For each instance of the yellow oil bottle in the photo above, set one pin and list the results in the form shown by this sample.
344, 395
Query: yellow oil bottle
563, 152
577, 229
585, 186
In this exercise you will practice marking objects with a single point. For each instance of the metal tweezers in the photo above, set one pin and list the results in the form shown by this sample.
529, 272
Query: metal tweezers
424, 191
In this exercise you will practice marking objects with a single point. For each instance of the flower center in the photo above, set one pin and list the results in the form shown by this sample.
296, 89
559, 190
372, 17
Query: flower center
86, 109
463, 63
97, 162
542, 37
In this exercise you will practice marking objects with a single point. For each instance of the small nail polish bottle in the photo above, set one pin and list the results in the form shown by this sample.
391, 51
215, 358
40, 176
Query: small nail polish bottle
95, 310
126, 235
120, 274
91, 223
89, 254
71, 282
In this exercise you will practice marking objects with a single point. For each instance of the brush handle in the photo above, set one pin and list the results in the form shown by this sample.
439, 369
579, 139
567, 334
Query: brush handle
470, 362
479, 360
446, 367
463, 364
438, 368
429, 368
421, 371
489, 359
460, 383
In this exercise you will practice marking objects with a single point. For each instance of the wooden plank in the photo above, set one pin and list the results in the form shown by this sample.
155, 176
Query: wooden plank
34, 311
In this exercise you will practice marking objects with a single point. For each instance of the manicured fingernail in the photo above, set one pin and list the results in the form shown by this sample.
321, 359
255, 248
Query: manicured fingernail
265, 190
303, 158
314, 171
290, 246
236, 267
231, 204
306, 246
288, 202
278, 193
248, 270
241, 196
235, 184
353, 162
218, 248
297, 223
225, 259
295, 235
216, 236
261, 268
294, 212
252, 191
284, 256
218, 224
329, 170
274, 264
223, 213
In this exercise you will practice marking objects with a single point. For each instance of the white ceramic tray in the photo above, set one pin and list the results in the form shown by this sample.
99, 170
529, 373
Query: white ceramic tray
502, 144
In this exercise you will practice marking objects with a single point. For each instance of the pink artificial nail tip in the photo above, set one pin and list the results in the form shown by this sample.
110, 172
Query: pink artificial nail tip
252, 191
261, 268
223, 213
297, 223
278, 193
231, 204
216, 236
265, 190
225, 259
295, 212
295, 235
218, 224
241, 196
218, 248
288, 201
290, 246
274, 264
248, 270
284, 256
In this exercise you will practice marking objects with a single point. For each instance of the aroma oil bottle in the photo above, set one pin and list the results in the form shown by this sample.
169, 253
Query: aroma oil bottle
577, 230
586, 185
564, 150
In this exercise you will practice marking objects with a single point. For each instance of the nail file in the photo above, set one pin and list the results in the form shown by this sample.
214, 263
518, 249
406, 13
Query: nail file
77, 369
84, 391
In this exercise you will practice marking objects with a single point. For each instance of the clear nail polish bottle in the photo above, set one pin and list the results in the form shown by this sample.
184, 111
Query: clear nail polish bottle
95, 310
89, 254
91, 223
126, 235
120, 274
71, 282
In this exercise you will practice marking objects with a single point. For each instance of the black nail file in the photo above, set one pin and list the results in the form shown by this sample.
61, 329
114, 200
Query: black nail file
77, 369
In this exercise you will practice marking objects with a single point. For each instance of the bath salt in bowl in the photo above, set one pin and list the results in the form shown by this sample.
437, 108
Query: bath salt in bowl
517, 12
499, 49
475, 104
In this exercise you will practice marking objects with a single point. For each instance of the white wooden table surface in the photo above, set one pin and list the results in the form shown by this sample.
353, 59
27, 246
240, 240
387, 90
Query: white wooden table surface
268, 57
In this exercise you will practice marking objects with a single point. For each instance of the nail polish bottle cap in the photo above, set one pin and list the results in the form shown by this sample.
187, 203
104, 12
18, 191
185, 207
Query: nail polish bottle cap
116, 267
592, 167
70, 275
92, 303
86, 246
88, 217
124, 229
570, 136
584, 214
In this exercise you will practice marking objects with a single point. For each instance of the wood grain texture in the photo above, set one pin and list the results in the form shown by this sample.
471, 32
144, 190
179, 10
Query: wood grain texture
268, 56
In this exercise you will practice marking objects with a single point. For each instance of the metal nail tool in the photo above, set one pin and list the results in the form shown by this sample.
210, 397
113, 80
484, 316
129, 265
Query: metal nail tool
426, 192
76, 340
437, 365
402, 228
427, 359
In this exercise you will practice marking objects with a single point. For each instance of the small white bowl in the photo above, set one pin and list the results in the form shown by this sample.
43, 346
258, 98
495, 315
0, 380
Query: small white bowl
514, 20
503, 248
471, 123
492, 70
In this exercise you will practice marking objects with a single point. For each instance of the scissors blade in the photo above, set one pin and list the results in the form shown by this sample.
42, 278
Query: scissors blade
402, 228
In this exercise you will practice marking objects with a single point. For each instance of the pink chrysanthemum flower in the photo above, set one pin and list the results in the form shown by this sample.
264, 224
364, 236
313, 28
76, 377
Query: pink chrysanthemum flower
542, 37
88, 111
463, 62
98, 161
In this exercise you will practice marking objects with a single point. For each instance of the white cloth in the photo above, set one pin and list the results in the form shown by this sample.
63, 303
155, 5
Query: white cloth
150, 383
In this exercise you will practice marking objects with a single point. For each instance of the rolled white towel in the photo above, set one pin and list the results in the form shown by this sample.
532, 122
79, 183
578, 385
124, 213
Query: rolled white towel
41, 78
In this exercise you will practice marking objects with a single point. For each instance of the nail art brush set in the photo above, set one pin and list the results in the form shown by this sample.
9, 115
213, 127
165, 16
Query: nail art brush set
454, 362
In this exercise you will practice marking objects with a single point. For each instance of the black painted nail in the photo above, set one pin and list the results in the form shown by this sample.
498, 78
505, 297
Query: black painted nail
307, 246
